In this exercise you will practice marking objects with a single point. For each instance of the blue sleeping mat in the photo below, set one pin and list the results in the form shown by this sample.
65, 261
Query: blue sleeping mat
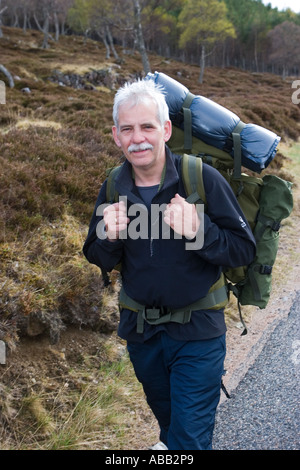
217, 126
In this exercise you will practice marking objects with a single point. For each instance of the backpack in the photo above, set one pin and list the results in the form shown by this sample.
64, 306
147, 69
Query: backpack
264, 201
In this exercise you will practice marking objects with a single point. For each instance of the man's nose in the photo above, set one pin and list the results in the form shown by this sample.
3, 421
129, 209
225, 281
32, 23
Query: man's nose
137, 135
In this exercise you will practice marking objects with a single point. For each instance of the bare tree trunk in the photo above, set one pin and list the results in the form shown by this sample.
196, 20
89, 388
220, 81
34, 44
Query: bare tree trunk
16, 22
202, 64
45, 44
56, 23
44, 29
255, 53
139, 36
24, 20
111, 42
102, 36
1, 11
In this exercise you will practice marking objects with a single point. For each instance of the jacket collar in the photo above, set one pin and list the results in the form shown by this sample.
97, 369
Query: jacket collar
125, 182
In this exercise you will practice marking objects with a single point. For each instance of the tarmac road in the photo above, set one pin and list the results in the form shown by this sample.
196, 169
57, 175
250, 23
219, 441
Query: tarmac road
263, 412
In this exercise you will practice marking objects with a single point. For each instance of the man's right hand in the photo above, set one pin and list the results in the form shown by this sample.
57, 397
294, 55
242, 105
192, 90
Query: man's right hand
116, 220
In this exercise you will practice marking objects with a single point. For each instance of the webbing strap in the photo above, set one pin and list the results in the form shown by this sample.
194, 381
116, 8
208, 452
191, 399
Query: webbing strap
187, 116
192, 178
265, 222
235, 290
111, 195
181, 315
237, 149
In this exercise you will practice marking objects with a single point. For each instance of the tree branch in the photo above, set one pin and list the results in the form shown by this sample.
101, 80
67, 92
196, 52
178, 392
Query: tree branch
8, 76
3, 9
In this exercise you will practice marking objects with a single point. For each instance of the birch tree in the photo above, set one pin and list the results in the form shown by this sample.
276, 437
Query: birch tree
203, 23
2, 10
139, 36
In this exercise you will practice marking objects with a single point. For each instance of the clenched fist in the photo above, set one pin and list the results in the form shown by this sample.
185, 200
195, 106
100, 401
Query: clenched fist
182, 217
115, 219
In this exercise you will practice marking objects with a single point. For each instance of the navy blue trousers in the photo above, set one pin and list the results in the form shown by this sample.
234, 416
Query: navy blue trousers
182, 383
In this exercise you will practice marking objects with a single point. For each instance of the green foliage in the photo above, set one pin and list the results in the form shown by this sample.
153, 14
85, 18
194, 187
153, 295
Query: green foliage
78, 16
204, 22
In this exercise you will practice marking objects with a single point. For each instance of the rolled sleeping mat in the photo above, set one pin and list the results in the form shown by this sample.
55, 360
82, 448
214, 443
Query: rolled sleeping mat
218, 126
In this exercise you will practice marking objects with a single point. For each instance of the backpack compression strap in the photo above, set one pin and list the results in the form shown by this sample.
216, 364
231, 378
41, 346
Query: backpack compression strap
187, 121
237, 149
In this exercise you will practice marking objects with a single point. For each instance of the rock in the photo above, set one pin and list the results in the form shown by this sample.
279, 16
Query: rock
34, 326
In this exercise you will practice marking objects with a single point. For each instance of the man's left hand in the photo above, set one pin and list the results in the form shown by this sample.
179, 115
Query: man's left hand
182, 217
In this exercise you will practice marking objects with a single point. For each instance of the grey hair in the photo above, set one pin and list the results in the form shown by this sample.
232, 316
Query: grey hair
140, 92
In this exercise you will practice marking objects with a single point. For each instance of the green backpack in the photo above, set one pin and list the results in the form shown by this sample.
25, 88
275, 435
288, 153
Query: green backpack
265, 202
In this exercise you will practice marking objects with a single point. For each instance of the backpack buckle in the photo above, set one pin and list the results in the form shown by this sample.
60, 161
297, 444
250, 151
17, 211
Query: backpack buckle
152, 313
265, 269
276, 226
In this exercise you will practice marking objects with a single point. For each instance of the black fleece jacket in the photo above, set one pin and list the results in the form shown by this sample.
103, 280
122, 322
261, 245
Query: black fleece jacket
162, 272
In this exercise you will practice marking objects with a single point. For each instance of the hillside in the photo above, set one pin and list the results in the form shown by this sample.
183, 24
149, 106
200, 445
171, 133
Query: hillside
67, 382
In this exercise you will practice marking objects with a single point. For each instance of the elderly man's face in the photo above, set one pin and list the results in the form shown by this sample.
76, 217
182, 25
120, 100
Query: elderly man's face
141, 136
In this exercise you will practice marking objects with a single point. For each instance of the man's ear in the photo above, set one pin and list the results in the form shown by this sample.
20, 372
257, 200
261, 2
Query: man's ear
115, 136
167, 130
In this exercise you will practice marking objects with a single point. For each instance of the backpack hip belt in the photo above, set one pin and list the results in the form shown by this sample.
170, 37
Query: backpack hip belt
215, 299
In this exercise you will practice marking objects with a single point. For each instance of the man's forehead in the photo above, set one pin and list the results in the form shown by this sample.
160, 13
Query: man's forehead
141, 112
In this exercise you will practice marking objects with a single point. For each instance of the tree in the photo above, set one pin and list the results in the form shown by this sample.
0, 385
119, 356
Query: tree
45, 16
45, 12
79, 17
2, 10
159, 19
285, 40
102, 15
203, 23
139, 36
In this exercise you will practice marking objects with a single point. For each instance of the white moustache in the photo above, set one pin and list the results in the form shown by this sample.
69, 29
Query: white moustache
139, 147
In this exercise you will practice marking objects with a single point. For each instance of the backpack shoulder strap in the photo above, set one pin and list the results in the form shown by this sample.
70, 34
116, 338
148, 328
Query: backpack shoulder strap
111, 194
193, 179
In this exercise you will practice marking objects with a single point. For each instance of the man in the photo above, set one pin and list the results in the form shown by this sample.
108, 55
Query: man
176, 341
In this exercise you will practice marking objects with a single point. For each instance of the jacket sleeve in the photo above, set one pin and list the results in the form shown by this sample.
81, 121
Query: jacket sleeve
97, 249
228, 240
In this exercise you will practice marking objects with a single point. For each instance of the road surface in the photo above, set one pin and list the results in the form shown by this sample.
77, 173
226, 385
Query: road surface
263, 412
